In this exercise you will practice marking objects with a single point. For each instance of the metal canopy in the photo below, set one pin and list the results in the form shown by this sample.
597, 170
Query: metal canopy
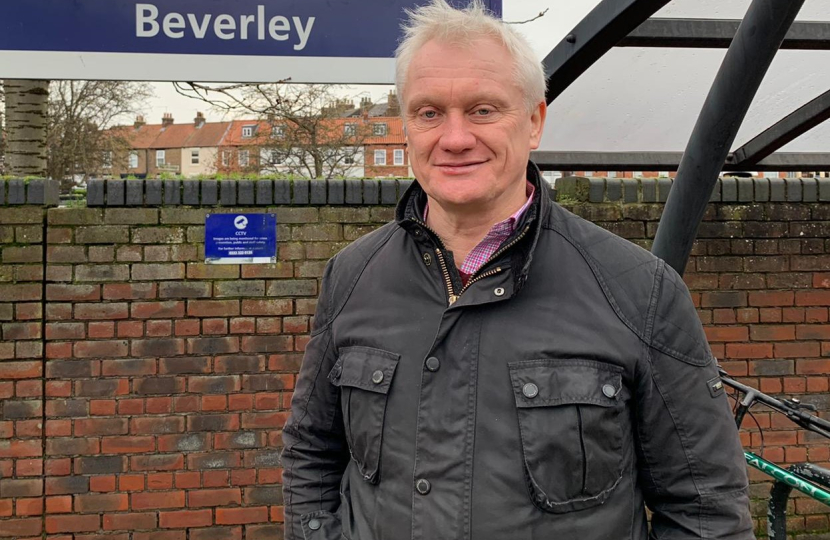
670, 161
718, 34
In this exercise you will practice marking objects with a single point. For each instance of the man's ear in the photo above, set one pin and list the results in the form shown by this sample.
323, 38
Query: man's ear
537, 124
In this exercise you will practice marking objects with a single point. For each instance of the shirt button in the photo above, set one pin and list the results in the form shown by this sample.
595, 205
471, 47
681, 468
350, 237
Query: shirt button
609, 390
530, 390
377, 377
433, 364
423, 486
314, 524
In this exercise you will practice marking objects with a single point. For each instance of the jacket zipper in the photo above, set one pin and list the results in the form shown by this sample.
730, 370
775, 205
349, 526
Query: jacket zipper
452, 297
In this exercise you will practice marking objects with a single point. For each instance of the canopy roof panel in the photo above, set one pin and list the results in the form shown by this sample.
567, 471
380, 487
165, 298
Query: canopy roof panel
813, 10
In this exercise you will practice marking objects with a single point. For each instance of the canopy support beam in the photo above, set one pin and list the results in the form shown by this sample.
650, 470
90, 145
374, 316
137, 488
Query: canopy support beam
670, 161
784, 131
747, 61
718, 34
608, 23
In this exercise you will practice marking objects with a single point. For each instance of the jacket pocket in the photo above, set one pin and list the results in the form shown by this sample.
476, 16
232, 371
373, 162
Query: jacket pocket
321, 525
570, 415
364, 376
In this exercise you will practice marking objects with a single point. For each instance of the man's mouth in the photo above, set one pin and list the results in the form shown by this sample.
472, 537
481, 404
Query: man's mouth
460, 168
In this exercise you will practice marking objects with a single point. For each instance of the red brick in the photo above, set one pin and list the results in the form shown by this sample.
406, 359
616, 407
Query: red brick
770, 315
164, 405
29, 506
102, 407
816, 315
812, 298
59, 504
156, 481
21, 330
58, 428
29, 389
792, 315
111, 502
264, 420
272, 307
131, 406
58, 467
241, 516
129, 291
159, 535
771, 298
187, 327
27, 312
817, 384
772, 333
100, 349
58, 388
164, 499
102, 311
29, 467
188, 480
821, 280
20, 527
59, 350
100, 426
127, 445
130, 522
243, 477
217, 533
157, 462
6, 510
68, 524
159, 328
214, 497
131, 482
101, 329
813, 331
65, 331
812, 367
214, 326
243, 325
185, 518
795, 385
73, 293
158, 310
214, 403
130, 329
213, 308
726, 333
20, 448
102, 484
797, 350
20, 370
240, 402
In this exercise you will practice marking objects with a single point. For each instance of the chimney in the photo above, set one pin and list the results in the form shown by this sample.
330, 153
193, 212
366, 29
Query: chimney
199, 121
139, 122
365, 104
394, 108
167, 120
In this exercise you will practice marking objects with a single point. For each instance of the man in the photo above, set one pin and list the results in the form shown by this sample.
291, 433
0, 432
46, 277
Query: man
490, 366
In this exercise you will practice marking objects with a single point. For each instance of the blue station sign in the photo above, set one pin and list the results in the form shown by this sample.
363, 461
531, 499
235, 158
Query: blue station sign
204, 40
240, 238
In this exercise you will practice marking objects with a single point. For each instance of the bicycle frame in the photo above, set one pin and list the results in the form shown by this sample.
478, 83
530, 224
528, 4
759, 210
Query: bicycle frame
786, 477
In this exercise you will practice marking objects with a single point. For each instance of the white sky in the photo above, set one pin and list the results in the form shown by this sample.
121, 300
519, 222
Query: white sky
633, 99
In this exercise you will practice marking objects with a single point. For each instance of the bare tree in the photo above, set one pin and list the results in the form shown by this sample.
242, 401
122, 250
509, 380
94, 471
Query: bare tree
80, 143
26, 123
309, 134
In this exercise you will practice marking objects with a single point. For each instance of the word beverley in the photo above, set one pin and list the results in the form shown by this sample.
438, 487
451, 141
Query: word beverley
224, 26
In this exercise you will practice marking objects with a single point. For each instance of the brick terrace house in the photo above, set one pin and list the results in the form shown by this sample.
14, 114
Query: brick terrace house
187, 149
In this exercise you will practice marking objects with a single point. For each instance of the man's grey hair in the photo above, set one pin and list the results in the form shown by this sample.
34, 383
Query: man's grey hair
438, 20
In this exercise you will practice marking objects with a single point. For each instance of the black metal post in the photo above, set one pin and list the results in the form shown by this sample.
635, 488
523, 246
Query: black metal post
746, 62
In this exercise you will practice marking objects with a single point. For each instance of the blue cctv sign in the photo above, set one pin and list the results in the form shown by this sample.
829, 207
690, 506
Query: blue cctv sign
240, 238
207, 40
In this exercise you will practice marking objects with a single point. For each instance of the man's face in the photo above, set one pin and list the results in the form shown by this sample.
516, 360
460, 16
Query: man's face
468, 128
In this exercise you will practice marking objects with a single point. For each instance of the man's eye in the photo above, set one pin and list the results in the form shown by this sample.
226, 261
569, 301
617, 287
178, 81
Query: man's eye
483, 112
429, 114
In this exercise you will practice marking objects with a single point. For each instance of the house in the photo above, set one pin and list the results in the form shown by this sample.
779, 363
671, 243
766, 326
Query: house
155, 149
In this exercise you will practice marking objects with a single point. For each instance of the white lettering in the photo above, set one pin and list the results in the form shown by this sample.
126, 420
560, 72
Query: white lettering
244, 21
277, 24
146, 14
223, 23
304, 33
260, 22
199, 31
173, 25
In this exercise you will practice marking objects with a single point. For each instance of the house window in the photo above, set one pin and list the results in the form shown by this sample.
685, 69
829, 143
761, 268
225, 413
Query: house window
276, 157
379, 130
133, 164
247, 132
350, 130
159, 158
380, 157
194, 157
226, 158
243, 158
399, 157
107, 159
348, 160
278, 132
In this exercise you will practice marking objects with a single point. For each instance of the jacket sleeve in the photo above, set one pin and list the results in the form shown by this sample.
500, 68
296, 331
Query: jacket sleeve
691, 464
315, 452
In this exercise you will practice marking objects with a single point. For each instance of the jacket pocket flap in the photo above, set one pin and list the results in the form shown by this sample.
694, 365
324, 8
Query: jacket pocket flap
549, 382
365, 368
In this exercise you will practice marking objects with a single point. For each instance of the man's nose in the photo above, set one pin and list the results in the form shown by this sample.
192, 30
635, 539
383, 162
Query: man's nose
457, 136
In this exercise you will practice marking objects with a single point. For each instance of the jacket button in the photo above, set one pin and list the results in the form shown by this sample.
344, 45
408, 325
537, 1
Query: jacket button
423, 486
530, 390
427, 259
314, 524
377, 377
609, 390
499, 292
433, 364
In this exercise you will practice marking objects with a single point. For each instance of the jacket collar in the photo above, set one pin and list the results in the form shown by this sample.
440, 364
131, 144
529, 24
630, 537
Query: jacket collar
409, 216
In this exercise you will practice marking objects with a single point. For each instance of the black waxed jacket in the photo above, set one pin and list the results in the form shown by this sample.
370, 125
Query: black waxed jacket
567, 387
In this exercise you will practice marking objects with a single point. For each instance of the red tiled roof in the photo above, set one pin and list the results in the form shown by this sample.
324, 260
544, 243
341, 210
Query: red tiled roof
394, 131
208, 135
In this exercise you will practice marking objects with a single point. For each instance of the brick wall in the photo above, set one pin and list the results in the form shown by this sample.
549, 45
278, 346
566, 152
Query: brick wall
143, 392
